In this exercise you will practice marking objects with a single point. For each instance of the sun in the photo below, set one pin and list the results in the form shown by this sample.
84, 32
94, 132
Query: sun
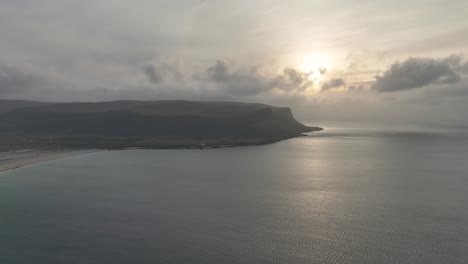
315, 62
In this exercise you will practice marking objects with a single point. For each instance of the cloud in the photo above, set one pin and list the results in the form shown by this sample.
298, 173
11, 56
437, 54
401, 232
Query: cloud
219, 72
250, 81
292, 80
152, 74
333, 83
419, 72
16, 81
457, 90
465, 67
357, 88
161, 72
245, 81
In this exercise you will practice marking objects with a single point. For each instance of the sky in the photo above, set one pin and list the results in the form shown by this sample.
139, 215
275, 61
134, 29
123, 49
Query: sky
329, 60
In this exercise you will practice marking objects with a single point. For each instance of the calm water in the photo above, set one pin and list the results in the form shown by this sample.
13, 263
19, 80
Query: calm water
341, 196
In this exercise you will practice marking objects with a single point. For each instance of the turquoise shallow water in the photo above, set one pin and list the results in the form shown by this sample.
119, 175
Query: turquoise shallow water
339, 196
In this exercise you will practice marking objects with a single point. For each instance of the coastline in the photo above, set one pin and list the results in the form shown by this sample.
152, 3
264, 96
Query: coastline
11, 160
16, 159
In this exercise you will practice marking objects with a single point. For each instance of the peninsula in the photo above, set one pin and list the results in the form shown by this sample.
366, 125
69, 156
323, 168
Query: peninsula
143, 124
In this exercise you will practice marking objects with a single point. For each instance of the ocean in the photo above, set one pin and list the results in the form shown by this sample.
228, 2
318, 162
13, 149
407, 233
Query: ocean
343, 195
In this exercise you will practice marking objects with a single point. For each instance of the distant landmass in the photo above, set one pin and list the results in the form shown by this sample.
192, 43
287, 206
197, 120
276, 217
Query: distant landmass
143, 124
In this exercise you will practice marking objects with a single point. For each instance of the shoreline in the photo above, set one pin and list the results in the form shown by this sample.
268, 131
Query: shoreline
18, 159
11, 160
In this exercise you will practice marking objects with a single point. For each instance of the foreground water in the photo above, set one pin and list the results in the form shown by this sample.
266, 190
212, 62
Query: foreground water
340, 196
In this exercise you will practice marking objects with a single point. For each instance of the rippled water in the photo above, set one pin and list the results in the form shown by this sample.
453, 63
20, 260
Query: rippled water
339, 196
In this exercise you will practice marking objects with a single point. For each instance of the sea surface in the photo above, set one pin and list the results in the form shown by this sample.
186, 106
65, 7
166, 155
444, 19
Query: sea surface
339, 196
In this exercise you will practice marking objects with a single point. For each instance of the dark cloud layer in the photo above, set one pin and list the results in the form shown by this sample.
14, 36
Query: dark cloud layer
333, 83
420, 72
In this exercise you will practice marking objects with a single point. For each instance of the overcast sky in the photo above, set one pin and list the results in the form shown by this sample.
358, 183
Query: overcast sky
365, 60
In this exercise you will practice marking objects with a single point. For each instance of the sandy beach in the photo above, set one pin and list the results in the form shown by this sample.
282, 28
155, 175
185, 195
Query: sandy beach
16, 159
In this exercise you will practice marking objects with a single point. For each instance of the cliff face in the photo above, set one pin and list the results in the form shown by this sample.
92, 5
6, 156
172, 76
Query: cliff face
152, 124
